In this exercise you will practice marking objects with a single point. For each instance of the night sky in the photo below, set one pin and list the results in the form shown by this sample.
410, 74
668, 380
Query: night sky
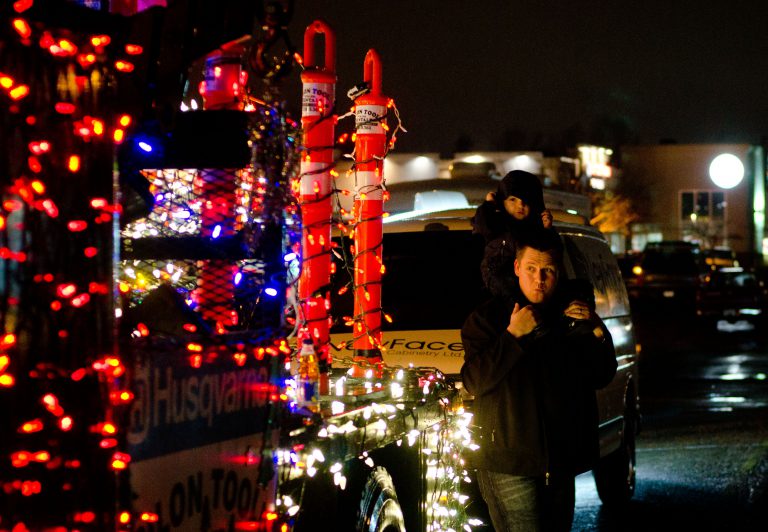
495, 74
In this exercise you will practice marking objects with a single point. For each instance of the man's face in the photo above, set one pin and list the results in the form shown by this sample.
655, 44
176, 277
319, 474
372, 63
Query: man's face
538, 273
516, 207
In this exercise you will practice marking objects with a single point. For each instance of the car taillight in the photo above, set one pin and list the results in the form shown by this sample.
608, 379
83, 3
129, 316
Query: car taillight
637, 270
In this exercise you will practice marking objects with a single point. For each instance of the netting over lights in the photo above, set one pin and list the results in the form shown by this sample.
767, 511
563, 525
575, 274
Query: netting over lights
203, 258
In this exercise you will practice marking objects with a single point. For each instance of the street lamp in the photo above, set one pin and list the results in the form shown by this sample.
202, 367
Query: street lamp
726, 170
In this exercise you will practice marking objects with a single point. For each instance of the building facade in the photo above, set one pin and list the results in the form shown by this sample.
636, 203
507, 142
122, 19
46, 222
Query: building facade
713, 194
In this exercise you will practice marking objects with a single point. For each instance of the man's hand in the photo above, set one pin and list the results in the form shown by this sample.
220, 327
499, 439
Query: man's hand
523, 320
491, 196
578, 310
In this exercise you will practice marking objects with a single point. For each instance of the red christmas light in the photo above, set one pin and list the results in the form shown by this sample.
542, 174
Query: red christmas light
65, 108
28, 488
86, 60
51, 403
66, 290
120, 461
98, 288
12, 205
90, 252
63, 48
50, 208
100, 40
35, 425
19, 92
65, 423
22, 28
124, 66
77, 225
108, 443
107, 428
39, 147
84, 517
22, 5
37, 186
99, 203
98, 127
121, 397
80, 300
133, 49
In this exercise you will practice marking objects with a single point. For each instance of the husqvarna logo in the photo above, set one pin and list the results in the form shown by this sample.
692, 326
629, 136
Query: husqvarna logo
165, 399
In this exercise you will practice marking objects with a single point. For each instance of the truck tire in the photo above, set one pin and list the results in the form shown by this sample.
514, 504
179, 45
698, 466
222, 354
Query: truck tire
379, 508
615, 473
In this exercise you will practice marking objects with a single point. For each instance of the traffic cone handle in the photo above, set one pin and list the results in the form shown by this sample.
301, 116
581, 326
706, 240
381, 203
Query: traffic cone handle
372, 71
320, 27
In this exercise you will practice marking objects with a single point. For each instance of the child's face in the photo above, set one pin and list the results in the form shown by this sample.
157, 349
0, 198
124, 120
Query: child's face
516, 208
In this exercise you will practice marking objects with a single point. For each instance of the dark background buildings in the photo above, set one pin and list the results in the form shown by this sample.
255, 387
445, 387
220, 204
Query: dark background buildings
500, 74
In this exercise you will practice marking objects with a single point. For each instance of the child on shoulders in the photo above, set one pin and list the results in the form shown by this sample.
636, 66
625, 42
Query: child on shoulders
516, 207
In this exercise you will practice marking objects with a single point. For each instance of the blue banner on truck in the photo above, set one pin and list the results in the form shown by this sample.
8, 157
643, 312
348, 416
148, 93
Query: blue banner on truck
199, 438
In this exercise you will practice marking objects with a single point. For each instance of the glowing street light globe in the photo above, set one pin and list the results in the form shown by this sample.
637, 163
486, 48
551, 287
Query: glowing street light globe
726, 170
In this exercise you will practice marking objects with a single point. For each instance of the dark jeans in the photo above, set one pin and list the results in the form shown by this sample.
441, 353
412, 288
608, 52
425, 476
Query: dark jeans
528, 504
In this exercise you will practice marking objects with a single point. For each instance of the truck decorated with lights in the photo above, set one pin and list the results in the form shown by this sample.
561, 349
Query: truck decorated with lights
223, 280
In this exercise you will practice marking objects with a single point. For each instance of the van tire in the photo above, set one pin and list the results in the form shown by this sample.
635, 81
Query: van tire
615, 474
379, 508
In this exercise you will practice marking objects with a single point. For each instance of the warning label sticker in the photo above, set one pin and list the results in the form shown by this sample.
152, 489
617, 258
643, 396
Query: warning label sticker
368, 119
317, 99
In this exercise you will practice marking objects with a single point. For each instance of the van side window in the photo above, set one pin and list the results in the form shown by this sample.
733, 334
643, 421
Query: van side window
432, 280
592, 259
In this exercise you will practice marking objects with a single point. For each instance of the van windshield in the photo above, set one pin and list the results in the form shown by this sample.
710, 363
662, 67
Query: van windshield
432, 281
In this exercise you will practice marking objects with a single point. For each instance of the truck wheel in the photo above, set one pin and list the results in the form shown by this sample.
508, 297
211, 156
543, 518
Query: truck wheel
615, 473
379, 508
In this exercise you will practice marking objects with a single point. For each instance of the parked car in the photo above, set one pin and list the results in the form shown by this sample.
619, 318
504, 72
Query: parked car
669, 272
729, 296
720, 257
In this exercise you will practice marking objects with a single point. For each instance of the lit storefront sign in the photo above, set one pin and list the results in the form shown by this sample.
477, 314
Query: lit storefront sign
596, 162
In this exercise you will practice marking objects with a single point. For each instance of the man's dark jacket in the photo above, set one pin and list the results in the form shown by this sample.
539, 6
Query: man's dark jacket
535, 410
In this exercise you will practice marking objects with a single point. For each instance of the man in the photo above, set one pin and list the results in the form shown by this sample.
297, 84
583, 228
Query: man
533, 361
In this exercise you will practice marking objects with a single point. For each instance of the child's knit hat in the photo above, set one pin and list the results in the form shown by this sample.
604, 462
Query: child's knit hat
525, 186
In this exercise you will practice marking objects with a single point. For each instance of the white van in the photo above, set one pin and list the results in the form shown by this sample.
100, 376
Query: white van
432, 283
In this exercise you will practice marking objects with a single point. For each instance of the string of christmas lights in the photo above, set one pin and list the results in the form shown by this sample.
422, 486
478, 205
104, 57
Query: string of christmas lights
63, 453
